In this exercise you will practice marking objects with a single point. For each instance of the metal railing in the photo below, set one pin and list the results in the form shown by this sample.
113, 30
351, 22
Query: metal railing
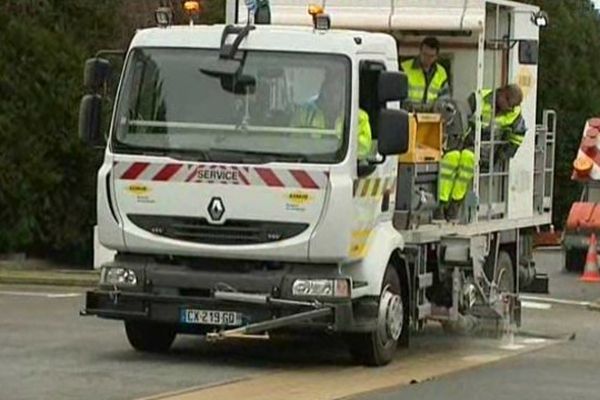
545, 147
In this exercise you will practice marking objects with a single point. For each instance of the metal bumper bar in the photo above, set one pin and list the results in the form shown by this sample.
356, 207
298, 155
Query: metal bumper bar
261, 311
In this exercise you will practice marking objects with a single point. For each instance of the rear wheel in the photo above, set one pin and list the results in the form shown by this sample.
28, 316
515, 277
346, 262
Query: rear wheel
150, 337
505, 281
378, 347
575, 260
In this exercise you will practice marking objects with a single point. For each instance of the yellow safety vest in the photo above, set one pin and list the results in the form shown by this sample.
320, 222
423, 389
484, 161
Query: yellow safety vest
313, 117
418, 91
504, 121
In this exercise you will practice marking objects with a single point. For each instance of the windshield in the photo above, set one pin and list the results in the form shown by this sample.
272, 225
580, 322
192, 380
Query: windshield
278, 107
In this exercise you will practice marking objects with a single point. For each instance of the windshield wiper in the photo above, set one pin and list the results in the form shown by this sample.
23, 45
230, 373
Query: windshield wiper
260, 156
133, 149
179, 154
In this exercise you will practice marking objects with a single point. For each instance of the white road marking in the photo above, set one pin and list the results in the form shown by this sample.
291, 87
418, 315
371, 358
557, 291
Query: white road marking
534, 340
536, 305
40, 294
556, 301
512, 346
482, 358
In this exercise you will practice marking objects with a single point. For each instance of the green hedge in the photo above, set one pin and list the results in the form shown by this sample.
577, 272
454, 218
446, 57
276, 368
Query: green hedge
47, 178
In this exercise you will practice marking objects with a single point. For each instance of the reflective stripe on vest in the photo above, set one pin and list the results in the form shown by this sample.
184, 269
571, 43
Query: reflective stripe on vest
515, 139
503, 121
418, 92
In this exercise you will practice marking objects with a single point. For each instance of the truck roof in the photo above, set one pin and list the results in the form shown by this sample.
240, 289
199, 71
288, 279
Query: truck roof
269, 37
388, 15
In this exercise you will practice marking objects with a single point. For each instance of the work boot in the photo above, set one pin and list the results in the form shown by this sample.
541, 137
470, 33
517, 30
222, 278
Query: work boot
453, 211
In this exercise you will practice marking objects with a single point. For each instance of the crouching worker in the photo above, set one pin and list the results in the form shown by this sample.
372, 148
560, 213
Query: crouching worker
458, 164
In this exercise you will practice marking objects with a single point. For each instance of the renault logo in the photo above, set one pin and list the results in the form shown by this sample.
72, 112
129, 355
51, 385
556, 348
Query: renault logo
216, 209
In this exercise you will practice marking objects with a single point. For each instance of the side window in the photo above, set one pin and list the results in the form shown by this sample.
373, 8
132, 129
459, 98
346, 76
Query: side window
368, 95
528, 52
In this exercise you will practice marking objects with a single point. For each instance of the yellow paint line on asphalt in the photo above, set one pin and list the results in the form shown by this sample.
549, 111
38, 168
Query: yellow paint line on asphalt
329, 383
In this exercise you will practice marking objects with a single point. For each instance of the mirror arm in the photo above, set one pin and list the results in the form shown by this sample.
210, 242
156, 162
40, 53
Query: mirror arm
376, 161
368, 166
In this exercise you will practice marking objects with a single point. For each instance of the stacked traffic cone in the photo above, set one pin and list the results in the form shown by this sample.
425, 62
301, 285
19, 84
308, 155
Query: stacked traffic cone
590, 272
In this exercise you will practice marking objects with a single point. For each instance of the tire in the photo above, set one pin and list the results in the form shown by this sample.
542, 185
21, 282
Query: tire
377, 348
150, 337
575, 260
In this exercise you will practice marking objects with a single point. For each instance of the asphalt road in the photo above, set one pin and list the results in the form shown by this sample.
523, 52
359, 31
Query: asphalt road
48, 352
569, 370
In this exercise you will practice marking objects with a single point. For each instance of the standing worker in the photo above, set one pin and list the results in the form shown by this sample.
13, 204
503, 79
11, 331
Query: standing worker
427, 79
458, 166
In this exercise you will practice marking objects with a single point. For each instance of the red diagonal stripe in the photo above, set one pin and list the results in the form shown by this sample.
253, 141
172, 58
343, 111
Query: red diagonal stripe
241, 176
167, 172
304, 179
594, 154
135, 170
269, 177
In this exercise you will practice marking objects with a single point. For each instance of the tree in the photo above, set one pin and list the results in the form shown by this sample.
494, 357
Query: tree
47, 179
569, 76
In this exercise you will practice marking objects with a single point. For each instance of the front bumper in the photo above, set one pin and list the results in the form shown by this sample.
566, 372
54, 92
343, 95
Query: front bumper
346, 316
165, 290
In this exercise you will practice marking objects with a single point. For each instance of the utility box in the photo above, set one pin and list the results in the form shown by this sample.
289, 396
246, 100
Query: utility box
425, 139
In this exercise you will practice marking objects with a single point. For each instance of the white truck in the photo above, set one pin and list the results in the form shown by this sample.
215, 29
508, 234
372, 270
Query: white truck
229, 219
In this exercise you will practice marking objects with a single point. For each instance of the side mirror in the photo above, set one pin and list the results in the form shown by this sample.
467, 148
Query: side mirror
392, 86
90, 117
393, 132
96, 73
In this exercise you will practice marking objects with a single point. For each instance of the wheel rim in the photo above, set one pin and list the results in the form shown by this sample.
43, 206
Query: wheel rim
391, 316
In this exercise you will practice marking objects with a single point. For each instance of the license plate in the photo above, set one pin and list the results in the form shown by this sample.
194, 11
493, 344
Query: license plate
211, 317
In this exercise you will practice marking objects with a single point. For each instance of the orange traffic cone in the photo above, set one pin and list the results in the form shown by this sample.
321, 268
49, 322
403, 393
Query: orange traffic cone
590, 272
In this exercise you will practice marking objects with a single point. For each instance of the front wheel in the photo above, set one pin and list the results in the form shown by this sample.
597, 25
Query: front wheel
150, 337
378, 347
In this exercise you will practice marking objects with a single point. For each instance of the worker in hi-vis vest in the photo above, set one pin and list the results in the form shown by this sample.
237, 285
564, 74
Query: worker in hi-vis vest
327, 112
427, 79
458, 164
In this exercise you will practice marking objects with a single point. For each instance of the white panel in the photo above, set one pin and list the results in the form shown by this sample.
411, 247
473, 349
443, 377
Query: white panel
101, 254
382, 14
520, 199
438, 15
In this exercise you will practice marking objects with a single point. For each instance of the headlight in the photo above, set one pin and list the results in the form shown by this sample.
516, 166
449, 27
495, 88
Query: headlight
118, 276
321, 287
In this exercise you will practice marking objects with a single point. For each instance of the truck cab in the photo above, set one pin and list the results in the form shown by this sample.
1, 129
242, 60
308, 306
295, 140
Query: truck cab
233, 167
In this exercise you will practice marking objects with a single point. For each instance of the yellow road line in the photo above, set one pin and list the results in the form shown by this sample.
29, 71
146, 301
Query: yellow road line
336, 382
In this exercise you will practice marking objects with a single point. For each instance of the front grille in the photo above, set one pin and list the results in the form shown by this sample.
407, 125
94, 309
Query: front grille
232, 232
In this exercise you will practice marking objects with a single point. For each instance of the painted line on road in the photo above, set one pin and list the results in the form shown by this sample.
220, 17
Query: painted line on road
193, 389
534, 305
40, 294
551, 300
339, 382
